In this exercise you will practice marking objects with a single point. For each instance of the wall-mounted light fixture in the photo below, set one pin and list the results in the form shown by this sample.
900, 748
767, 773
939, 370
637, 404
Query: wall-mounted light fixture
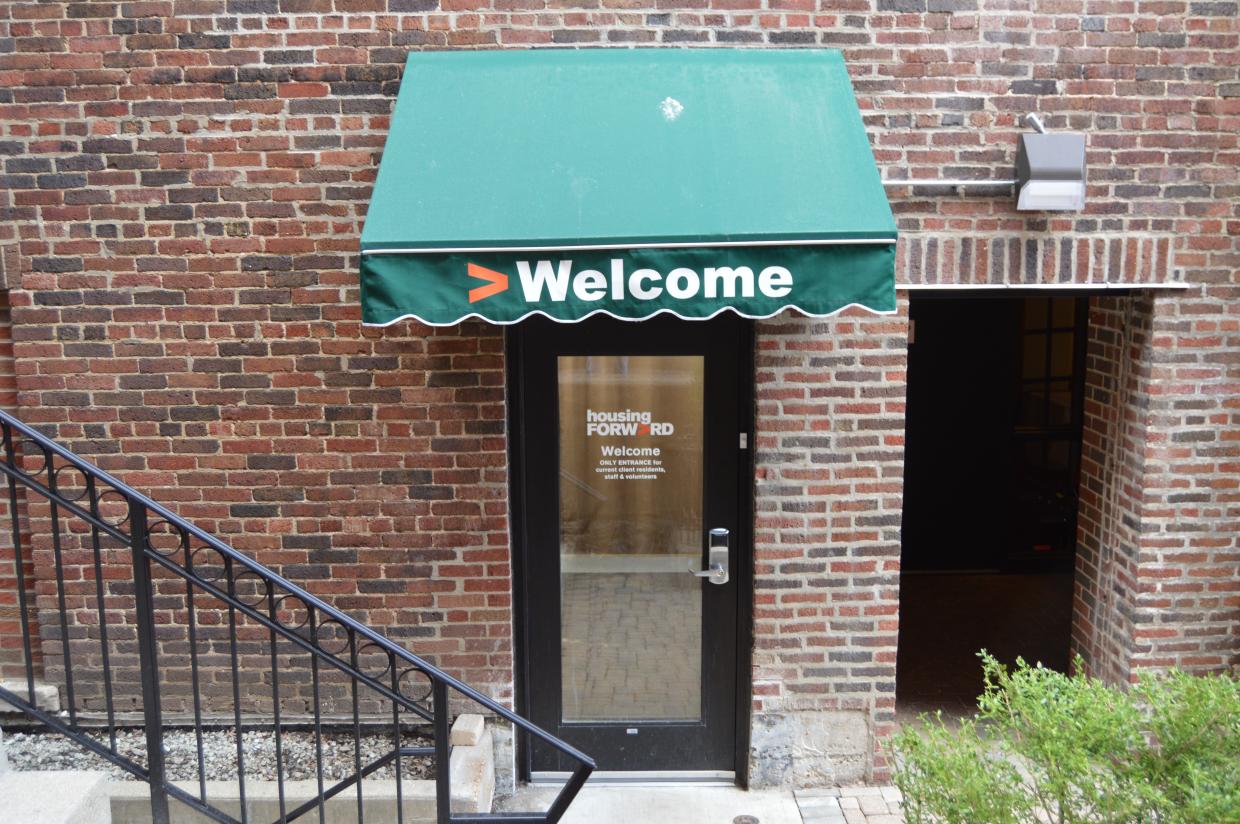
1050, 172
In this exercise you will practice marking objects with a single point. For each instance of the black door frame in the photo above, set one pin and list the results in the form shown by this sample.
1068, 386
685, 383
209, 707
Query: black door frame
742, 546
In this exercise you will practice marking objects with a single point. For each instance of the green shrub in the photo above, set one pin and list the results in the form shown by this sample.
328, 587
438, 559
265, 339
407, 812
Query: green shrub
1049, 747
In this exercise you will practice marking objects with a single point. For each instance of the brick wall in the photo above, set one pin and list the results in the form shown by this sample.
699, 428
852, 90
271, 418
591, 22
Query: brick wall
830, 466
13, 588
1112, 477
1158, 570
184, 183
1188, 584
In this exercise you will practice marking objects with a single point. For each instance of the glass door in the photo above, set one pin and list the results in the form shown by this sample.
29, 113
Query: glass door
629, 458
630, 519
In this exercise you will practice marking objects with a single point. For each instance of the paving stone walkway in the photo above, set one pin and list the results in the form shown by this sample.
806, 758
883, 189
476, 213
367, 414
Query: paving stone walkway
850, 805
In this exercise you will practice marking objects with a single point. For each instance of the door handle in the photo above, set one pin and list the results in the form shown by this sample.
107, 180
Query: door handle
717, 558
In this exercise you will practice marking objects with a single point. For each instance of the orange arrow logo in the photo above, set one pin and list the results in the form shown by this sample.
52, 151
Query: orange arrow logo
496, 282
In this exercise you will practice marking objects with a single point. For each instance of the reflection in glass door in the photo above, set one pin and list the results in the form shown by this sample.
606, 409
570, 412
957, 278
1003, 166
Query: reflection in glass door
630, 529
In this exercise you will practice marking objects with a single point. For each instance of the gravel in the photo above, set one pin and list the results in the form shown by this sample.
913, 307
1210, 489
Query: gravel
49, 751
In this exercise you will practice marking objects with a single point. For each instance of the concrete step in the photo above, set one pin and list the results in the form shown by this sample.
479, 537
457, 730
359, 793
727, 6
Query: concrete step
59, 797
131, 802
472, 771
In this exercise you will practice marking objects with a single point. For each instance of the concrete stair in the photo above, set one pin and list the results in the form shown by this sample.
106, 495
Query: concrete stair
63, 797
79, 797
131, 801
59, 797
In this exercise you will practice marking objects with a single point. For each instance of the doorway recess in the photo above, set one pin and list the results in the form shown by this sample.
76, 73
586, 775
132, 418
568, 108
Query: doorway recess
993, 447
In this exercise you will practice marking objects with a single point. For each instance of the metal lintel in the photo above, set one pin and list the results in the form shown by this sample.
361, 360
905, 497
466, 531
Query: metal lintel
955, 184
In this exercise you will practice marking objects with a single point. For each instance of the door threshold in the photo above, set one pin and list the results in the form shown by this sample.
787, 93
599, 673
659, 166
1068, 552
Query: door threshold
637, 778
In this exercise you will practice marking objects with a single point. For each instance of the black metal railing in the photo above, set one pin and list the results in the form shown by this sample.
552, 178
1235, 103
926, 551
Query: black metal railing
144, 617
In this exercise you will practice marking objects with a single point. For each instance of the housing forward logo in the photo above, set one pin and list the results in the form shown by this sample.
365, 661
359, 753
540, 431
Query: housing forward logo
546, 281
626, 422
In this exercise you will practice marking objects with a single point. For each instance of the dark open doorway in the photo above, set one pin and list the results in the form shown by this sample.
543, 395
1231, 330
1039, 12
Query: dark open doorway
990, 504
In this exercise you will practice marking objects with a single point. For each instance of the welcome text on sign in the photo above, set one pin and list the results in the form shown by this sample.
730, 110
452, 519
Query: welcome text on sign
648, 284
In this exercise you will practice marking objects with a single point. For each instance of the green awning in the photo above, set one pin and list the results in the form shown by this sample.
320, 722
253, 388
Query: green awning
625, 181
